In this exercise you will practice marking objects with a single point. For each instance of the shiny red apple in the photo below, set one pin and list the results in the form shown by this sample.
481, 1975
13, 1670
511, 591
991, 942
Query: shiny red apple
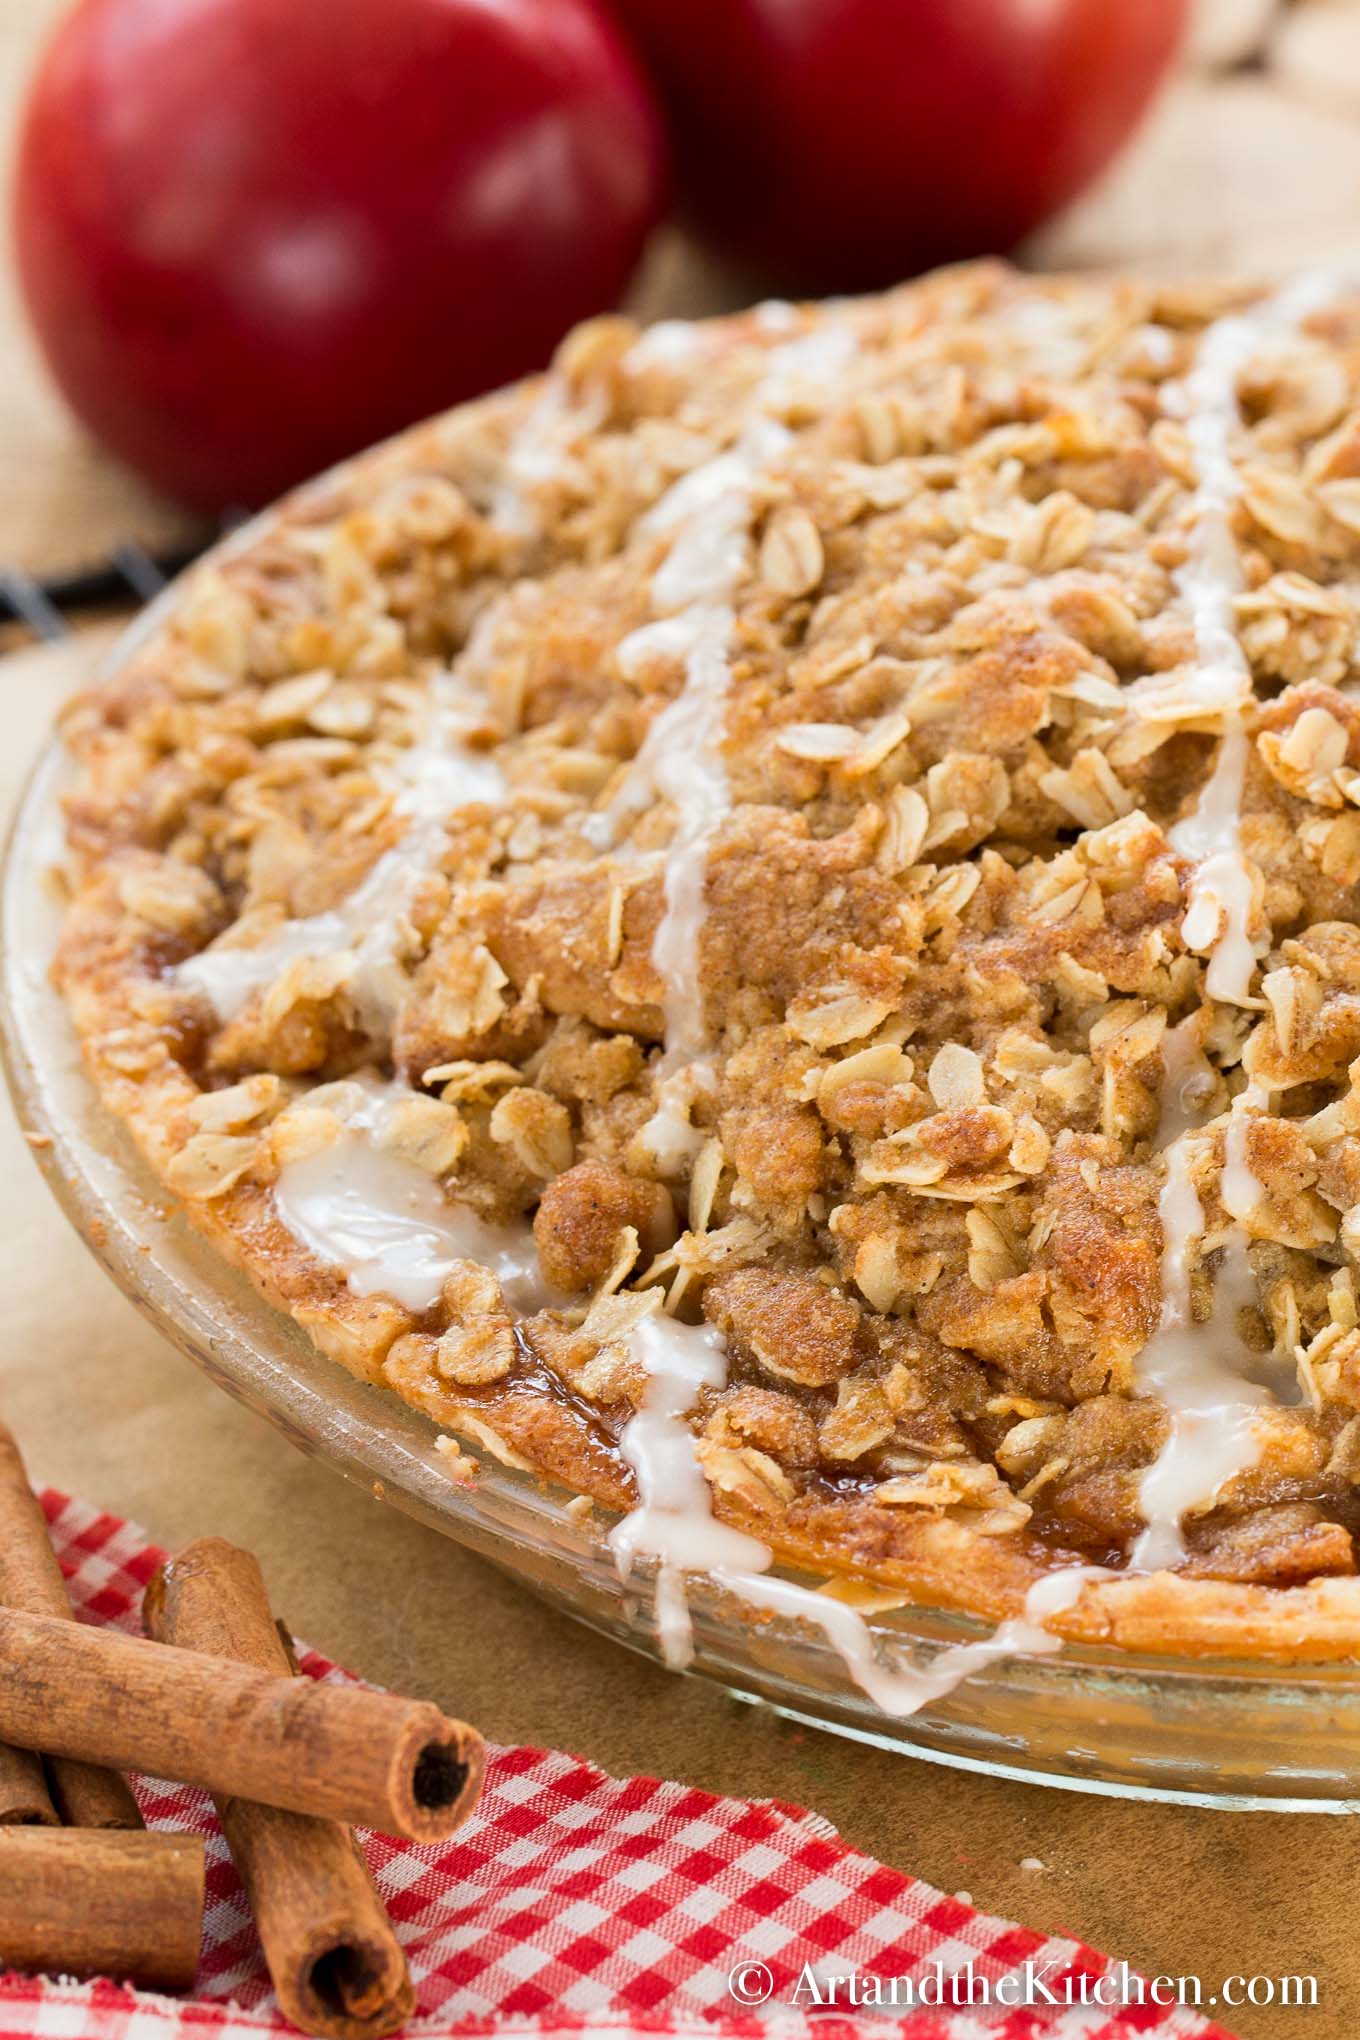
838, 144
255, 235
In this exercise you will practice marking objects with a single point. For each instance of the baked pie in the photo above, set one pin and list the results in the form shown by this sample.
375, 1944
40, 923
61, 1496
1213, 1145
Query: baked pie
766, 928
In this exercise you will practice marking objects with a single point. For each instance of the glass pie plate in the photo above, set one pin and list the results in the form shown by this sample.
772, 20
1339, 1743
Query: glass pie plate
1211, 1732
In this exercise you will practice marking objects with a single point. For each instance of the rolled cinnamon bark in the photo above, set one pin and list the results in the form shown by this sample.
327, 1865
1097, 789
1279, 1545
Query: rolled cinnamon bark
88, 1796
30, 1577
368, 1759
24, 1798
337, 1966
122, 1905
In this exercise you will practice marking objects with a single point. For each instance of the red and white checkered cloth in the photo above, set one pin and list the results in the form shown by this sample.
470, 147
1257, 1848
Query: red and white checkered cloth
574, 1903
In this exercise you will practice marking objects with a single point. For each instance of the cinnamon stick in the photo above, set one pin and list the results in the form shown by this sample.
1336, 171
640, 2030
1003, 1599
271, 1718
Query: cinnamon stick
341, 1752
337, 1966
122, 1905
30, 1577
24, 1798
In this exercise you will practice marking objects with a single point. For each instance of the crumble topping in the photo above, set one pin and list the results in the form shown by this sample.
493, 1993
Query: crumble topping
837, 830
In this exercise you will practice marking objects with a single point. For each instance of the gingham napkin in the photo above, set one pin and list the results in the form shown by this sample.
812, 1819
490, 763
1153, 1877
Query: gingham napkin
578, 1904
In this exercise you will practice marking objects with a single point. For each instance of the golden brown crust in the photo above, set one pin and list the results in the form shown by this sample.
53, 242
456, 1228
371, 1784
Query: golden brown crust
942, 943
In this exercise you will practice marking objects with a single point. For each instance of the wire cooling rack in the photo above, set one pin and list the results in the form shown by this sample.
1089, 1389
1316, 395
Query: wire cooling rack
46, 605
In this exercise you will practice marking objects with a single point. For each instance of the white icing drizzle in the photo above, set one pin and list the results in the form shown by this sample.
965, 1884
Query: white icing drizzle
1210, 1406
359, 1206
1239, 1185
1188, 1082
540, 451
1157, 345
897, 1690
775, 315
707, 512
690, 773
670, 1136
815, 357
1223, 888
390, 1228
432, 778
1218, 918
674, 1523
670, 343
1212, 1437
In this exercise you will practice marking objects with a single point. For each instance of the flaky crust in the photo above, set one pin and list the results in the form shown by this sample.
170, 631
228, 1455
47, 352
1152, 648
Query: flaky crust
942, 943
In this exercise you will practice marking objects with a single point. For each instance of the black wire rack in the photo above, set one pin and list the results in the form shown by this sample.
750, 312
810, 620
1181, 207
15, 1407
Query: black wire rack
46, 605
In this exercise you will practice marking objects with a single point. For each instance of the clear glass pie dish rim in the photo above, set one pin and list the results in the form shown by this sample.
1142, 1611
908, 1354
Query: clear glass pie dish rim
1208, 1731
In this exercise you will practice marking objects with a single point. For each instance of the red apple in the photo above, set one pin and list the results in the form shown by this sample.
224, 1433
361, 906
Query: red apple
838, 144
255, 235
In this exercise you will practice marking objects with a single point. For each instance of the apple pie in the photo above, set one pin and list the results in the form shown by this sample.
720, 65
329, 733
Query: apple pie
765, 927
